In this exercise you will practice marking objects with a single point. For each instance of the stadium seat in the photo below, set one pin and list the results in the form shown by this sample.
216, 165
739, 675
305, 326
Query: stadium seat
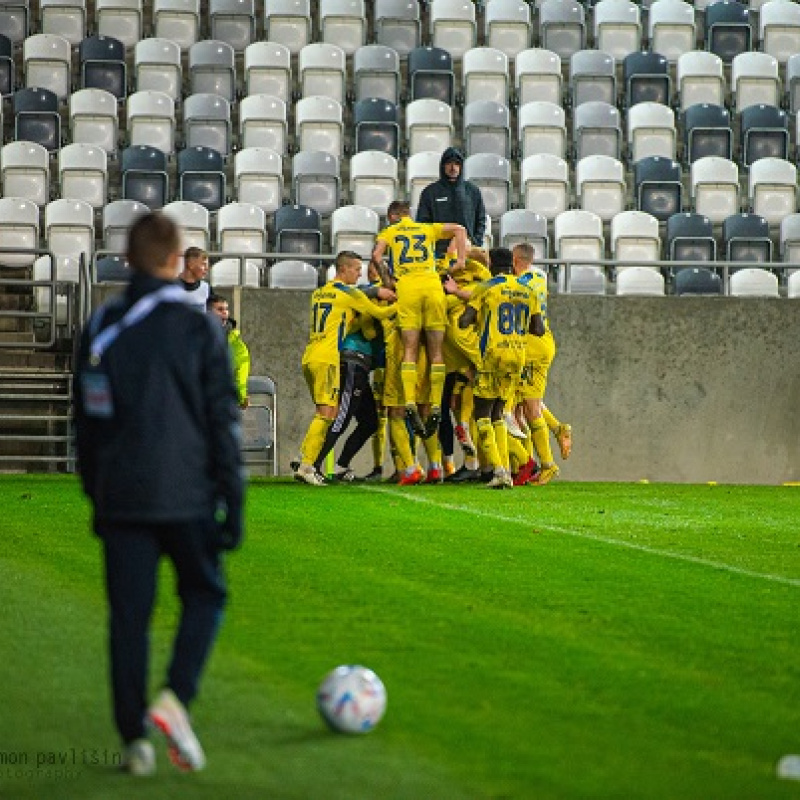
657, 187
651, 131
7, 69
235, 272
376, 126
592, 78
492, 175
537, 76
772, 189
47, 63
453, 26
707, 132
376, 73
36, 118
144, 175
207, 122
193, 220
291, 274
397, 25
233, 22
151, 121
258, 178
507, 26
178, 20
421, 169
25, 172
374, 180
102, 64
578, 235
542, 129
354, 228
15, 21
753, 282
697, 281
157, 67
600, 186
545, 184
288, 22
263, 122
201, 177
779, 29
83, 174
119, 19
321, 69
715, 187
646, 77
690, 237
316, 181
763, 133
617, 28
430, 74
635, 238
701, 79
597, 130
242, 228
66, 18
793, 285
297, 230
521, 225
639, 281
343, 23
212, 69
429, 126
486, 128
111, 269
268, 70
93, 119
745, 237
485, 75
790, 238
318, 125
671, 28
727, 29
755, 80
19, 228
562, 27
69, 228
118, 216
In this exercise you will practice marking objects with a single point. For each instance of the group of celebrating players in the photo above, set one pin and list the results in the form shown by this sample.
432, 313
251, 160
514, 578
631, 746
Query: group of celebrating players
433, 349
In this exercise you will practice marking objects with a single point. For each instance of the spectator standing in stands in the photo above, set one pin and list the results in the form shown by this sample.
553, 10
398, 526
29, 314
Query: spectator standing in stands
157, 424
193, 277
240, 355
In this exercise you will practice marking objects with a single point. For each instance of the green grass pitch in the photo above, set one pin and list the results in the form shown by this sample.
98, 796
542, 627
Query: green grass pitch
569, 641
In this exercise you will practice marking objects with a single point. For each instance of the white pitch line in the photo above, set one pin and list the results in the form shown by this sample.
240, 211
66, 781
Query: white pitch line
705, 562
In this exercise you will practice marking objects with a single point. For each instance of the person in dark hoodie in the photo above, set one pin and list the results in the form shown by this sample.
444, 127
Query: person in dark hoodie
453, 199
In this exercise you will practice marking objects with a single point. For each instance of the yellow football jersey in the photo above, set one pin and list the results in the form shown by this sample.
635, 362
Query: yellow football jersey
333, 309
412, 246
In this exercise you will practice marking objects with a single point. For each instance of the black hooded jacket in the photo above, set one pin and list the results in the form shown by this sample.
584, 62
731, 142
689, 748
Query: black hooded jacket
457, 201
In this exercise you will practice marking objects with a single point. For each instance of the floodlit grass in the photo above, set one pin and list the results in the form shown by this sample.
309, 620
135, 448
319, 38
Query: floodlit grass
570, 641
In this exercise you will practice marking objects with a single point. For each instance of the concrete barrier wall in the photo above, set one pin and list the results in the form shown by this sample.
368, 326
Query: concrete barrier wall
668, 389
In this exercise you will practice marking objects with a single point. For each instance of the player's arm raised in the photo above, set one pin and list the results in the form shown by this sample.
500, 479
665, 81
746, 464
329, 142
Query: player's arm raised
459, 235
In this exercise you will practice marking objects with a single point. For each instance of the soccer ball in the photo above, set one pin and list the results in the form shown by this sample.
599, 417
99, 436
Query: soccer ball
351, 699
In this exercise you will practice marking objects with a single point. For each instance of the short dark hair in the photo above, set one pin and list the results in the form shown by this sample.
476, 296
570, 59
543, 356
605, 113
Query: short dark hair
400, 207
524, 251
193, 252
346, 255
152, 239
213, 299
500, 260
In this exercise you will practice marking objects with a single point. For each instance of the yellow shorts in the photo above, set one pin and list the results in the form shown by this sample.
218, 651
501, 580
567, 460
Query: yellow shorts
421, 303
499, 374
460, 348
322, 379
537, 365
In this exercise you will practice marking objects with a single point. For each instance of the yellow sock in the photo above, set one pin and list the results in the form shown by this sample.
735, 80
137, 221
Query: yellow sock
516, 452
379, 440
315, 438
541, 441
437, 383
433, 450
408, 377
552, 423
400, 442
501, 437
467, 407
473, 432
487, 444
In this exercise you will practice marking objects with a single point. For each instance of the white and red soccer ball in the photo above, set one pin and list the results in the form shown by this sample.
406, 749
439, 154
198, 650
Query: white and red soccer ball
351, 699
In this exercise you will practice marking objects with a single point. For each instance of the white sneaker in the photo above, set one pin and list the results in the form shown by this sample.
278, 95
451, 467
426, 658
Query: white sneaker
513, 426
140, 758
502, 479
307, 474
169, 716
